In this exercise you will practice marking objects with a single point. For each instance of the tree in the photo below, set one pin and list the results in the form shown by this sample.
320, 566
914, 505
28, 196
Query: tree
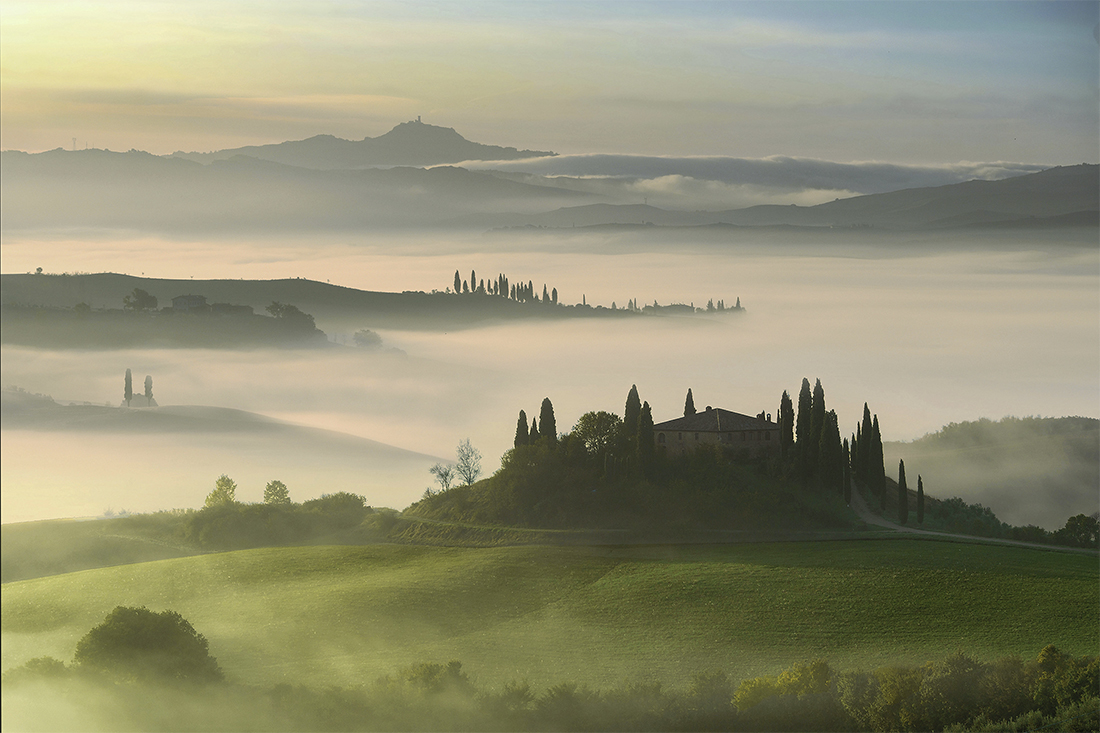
847, 474
598, 431
148, 390
458, 283
831, 455
128, 388
139, 300
276, 492
533, 436
224, 493
632, 412
689, 404
367, 339
554, 296
291, 316
522, 436
468, 463
802, 421
865, 449
139, 644
548, 427
817, 424
786, 423
445, 474
920, 500
646, 446
903, 495
876, 467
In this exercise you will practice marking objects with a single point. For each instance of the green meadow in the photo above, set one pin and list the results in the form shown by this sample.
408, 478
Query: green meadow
601, 615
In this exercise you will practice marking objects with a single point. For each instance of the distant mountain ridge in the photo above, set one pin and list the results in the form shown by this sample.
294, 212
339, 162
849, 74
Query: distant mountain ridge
1061, 196
413, 143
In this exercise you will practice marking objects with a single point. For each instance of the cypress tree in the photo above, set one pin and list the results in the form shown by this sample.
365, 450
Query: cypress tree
473, 281
533, 436
545, 294
865, 449
920, 500
786, 424
554, 296
646, 448
458, 283
847, 474
548, 426
903, 495
856, 448
148, 390
876, 466
522, 436
802, 421
689, 404
128, 388
632, 412
817, 425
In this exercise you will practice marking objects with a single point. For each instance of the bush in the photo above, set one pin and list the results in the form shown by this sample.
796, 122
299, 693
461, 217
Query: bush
138, 644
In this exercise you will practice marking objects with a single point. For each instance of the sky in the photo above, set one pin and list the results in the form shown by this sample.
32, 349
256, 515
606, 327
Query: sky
923, 83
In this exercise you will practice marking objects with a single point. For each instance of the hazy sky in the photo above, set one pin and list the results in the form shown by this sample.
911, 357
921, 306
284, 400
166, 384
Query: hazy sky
920, 82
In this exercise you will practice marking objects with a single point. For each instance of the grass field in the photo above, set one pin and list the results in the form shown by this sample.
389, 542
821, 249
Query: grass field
598, 615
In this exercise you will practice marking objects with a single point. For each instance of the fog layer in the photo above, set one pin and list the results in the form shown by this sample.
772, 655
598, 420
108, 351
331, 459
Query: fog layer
924, 339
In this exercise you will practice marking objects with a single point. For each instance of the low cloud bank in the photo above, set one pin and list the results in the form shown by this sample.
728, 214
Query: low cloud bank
778, 171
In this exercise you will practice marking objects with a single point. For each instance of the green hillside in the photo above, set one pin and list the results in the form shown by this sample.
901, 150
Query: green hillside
598, 615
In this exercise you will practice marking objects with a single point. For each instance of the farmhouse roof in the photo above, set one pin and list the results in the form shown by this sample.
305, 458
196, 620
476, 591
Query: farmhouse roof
716, 420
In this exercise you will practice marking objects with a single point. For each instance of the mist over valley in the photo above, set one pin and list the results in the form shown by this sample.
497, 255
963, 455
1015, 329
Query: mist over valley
550, 366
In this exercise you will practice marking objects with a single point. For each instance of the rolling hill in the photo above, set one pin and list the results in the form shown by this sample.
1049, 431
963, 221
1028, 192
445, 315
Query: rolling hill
595, 615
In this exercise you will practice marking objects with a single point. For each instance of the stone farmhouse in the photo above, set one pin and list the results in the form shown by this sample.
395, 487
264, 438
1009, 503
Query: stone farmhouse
714, 426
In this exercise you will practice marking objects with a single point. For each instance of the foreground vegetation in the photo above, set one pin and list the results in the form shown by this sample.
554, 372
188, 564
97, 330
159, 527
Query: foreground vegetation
124, 677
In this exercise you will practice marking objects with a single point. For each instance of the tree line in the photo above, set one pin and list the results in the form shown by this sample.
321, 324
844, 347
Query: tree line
137, 660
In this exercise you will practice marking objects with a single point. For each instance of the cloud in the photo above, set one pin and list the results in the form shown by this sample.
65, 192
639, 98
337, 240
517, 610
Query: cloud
776, 172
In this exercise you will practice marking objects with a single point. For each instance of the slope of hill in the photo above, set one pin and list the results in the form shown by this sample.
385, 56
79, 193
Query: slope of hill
600, 615
145, 459
333, 306
409, 143
102, 189
1063, 196
1037, 471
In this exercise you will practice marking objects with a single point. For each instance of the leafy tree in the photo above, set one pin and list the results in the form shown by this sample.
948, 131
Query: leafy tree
276, 492
689, 404
598, 431
138, 644
128, 388
468, 463
522, 435
786, 423
148, 390
445, 474
920, 500
367, 339
903, 495
139, 300
632, 412
548, 427
224, 493
1081, 530
291, 316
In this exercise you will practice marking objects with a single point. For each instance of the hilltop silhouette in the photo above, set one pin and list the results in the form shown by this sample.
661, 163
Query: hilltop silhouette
413, 143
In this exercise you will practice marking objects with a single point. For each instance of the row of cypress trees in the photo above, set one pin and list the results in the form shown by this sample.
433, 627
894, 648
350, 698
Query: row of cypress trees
636, 433
502, 287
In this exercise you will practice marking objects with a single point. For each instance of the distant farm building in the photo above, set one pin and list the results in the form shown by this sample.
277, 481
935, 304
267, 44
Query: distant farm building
184, 303
713, 426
